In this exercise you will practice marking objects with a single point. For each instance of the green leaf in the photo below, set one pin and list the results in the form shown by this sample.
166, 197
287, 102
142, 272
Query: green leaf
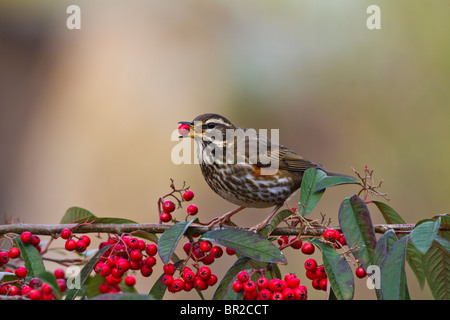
93, 282
333, 181
225, 290
146, 235
168, 241
423, 234
49, 278
384, 244
7, 276
339, 273
356, 224
389, 214
85, 272
415, 261
437, 265
247, 243
76, 214
308, 198
280, 216
31, 257
393, 276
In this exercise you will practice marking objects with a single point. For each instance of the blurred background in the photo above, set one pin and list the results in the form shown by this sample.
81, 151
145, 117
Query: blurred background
87, 115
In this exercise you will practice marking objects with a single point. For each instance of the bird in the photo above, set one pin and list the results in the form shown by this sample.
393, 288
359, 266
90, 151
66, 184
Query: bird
240, 176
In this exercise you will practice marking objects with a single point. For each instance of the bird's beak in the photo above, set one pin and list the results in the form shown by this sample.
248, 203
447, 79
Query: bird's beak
191, 126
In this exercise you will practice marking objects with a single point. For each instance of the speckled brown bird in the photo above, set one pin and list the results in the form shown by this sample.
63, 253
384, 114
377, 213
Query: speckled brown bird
241, 177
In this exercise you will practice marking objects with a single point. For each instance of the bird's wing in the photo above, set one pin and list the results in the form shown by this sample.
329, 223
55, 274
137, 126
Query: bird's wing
269, 154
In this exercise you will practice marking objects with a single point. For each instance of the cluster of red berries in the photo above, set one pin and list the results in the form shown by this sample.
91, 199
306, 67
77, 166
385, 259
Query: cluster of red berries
34, 240
35, 289
204, 251
80, 244
317, 274
126, 253
200, 280
334, 237
288, 288
168, 207
13, 253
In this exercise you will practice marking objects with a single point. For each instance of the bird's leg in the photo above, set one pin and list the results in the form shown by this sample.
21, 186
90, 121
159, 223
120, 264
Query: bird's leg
225, 218
266, 221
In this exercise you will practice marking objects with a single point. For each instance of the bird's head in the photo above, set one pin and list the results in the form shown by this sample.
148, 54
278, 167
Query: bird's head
207, 126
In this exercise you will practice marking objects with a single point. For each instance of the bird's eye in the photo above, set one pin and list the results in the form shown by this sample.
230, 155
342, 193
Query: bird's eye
211, 125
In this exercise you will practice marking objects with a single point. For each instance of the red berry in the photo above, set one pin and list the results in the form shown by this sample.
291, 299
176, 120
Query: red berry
35, 294
146, 271
237, 286
167, 279
342, 240
277, 296
200, 284
360, 272
300, 293
321, 273
229, 251
21, 272
177, 285
169, 268
296, 244
316, 283
46, 288
262, 283
165, 217
102, 269
311, 265
205, 246
323, 284
130, 281
80, 246
123, 265
150, 261
24, 290
250, 295
66, 234
189, 276
192, 210
86, 240
133, 243
243, 276
311, 275
13, 290
249, 286
59, 273
292, 282
70, 245
188, 195
26, 236
35, 240
275, 285
330, 235
151, 249
168, 206
212, 280
103, 287
184, 129
308, 248
204, 272
208, 259
282, 240
265, 294
136, 255
288, 294
4, 257
216, 252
